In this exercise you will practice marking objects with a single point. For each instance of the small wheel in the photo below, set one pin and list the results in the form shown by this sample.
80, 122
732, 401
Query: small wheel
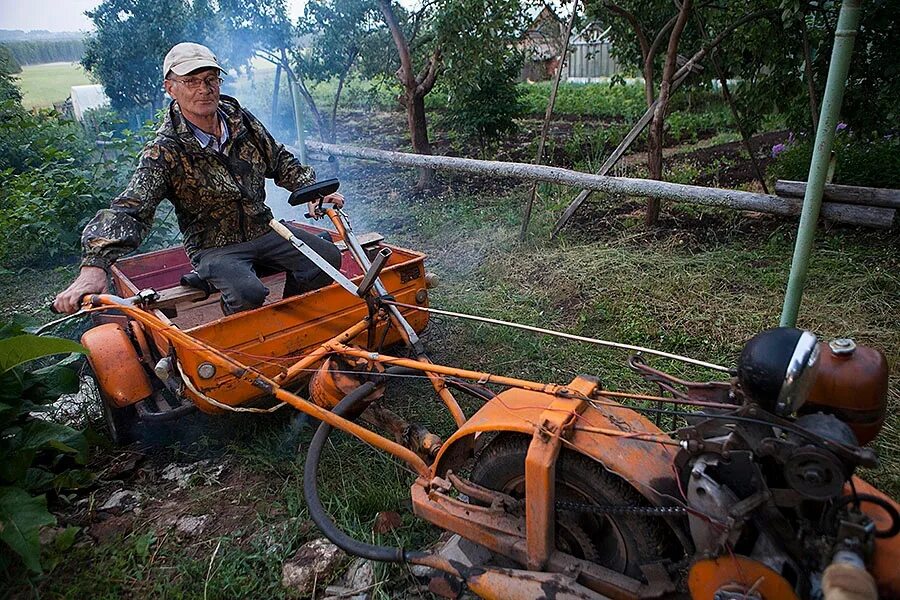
618, 542
119, 422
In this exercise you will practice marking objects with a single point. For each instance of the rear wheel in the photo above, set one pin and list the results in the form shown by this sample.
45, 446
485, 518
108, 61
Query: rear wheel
619, 542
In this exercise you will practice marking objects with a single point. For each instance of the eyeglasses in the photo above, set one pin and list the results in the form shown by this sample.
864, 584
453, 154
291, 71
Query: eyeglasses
193, 83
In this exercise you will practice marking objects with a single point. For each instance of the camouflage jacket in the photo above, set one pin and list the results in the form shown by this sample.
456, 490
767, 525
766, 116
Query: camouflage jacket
219, 197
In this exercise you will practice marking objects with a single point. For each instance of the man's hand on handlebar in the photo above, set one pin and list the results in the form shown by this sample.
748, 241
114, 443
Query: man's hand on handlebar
91, 280
315, 206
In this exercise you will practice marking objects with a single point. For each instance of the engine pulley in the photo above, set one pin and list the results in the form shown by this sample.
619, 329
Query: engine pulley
815, 473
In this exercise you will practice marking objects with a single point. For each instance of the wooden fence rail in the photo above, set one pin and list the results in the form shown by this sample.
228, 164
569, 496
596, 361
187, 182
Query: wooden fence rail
736, 199
846, 194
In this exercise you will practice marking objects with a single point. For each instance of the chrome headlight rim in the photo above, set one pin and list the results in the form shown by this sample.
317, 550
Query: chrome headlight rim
799, 375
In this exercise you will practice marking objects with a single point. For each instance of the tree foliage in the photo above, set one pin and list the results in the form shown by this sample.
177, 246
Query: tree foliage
34, 52
769, 61
8, 63
132, 37
10, 95
481, 67
766, 57
338, 31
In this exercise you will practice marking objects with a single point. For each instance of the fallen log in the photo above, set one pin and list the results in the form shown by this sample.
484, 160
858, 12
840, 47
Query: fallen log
856, 215
848, 194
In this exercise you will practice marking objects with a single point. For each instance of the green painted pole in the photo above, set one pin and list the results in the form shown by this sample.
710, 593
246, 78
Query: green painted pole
844, 37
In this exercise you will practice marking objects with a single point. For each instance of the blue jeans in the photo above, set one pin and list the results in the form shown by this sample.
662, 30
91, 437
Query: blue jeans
232, 269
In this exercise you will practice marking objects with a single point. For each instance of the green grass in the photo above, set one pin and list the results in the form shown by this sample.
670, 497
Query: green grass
44, 85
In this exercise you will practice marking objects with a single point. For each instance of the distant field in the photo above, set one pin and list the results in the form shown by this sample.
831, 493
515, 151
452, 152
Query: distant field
42, 85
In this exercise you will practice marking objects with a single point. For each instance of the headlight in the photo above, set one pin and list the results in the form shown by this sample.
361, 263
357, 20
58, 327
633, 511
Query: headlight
777, 368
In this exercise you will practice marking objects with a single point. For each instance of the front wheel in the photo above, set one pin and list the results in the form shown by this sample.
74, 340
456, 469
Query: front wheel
120, 423
616, 541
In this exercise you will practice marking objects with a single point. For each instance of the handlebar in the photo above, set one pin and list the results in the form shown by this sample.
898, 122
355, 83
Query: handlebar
315, 192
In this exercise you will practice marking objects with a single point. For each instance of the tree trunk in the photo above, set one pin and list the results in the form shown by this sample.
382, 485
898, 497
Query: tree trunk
655, 141
275, 93
418, 129
414, 91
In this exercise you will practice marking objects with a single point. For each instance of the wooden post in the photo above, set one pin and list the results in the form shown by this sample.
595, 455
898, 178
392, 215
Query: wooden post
526, 218
846, 194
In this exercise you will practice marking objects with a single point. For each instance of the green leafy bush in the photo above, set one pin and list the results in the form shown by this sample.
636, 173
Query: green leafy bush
53, 179
37, 456
483, 106
859, 161
598, 100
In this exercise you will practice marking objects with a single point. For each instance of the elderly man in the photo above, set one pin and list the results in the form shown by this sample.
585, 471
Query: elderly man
210, 159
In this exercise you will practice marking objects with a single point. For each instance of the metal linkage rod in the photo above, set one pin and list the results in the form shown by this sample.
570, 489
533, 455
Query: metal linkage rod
568, 336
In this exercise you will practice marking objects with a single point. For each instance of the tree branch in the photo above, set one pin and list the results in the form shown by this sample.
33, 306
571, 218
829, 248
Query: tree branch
660, 36
430, 74
701, 54
405, 73
638, 30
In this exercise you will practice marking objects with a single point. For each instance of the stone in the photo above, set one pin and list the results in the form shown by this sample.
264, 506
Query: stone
121, 501
386, 521
183, 475
312, 565
190, 526
357, 581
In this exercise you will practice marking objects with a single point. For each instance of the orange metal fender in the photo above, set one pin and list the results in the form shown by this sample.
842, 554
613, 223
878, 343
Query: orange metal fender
644, 464
887, 550
120, 375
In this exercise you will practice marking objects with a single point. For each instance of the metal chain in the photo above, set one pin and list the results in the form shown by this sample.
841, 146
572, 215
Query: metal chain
601, 509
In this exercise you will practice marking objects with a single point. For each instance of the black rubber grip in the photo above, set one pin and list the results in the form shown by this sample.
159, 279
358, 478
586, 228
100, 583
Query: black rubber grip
318, 190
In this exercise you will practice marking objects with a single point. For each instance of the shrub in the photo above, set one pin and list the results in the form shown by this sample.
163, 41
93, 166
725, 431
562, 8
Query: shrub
37, 456
483, 106
53, 180
599, 100
859, 161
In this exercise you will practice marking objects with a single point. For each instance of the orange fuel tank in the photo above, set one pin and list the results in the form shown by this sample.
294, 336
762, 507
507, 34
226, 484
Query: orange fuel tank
852, 384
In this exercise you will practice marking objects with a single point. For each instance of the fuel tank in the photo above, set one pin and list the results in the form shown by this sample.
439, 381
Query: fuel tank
852, 384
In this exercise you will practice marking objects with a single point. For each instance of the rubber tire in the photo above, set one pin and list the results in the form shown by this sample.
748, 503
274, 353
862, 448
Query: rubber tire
121, 423
501, 467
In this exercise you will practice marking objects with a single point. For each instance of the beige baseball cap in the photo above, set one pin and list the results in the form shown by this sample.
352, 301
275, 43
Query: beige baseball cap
186, 57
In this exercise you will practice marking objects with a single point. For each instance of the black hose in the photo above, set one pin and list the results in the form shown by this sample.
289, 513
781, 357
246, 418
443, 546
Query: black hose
885, 505
317, 511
